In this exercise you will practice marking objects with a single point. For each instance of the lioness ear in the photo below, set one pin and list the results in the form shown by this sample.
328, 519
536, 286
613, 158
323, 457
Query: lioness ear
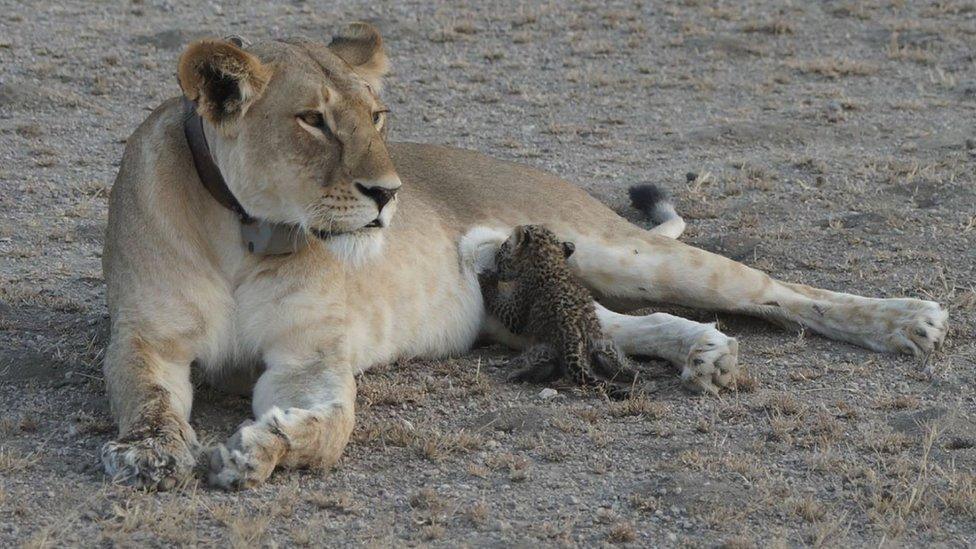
360, 45
568, 249
223, 79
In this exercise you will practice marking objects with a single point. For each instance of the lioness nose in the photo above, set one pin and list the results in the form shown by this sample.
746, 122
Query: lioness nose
380, 195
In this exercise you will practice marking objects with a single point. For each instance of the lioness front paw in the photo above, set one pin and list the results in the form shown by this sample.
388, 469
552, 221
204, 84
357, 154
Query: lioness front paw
155, 463
245, 461
712, 362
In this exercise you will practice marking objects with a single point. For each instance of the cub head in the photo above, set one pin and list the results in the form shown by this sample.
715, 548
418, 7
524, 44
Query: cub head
297, 129
531, 245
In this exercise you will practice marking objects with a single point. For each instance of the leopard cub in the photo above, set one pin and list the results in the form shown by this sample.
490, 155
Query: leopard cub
532, 292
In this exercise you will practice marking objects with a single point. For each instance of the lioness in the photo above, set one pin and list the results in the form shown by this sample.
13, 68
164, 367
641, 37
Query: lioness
295, 129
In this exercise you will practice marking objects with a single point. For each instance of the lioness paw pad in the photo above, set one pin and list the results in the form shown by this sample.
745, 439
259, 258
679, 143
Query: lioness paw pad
712, 362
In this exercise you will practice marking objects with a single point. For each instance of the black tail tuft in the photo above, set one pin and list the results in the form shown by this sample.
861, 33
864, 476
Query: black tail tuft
653, 202
646, 198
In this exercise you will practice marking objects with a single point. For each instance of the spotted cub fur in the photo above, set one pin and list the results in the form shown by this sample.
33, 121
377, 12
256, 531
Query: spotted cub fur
533, 293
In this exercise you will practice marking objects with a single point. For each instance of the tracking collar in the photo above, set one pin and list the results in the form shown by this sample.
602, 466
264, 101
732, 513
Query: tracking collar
259, 237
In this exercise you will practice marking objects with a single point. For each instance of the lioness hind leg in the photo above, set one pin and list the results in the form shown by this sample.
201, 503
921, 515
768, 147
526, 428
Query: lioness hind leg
646, 268
150, 396
305, 414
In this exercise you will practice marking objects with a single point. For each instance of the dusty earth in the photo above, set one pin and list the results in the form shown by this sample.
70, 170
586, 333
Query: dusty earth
826, 142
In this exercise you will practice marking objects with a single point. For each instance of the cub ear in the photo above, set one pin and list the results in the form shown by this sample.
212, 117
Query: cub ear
520, 236
568, 249
360, 45
222, 79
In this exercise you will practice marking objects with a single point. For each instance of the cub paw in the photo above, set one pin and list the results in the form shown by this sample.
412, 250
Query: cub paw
712, 362
154, 463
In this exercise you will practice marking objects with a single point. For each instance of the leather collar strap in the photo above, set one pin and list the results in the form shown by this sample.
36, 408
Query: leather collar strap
208, 172
259, 237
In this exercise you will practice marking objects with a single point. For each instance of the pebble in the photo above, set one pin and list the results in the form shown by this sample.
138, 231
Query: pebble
835, 112
548, 393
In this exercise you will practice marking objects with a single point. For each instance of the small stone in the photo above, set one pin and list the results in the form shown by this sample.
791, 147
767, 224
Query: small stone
835, 112
548, 393
672, 537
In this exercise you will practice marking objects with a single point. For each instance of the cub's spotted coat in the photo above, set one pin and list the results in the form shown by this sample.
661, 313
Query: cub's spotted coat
533, 293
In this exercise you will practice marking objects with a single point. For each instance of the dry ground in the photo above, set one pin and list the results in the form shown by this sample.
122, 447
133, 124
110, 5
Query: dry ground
830, 142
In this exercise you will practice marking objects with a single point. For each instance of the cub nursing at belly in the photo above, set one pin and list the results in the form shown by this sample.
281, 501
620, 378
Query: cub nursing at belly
528, 287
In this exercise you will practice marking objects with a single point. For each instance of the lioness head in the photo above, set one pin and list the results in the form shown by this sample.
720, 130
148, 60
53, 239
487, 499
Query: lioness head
297, 129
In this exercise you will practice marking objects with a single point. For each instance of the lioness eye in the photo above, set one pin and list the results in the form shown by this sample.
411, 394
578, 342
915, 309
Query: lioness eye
316, 120
378, 117
313, 118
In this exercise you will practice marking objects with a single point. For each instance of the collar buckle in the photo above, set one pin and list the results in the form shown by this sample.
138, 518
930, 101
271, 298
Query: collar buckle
258, 236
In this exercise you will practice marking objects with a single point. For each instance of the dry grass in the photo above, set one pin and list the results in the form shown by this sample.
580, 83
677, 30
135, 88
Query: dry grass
887, 442
244, 529
429, 508
907, 52
622, 532
433, 532
807, 508
775, 26
959, 494
746, 383
437, 446
341, 502
477, 470
591, 415
638, 405
833, 68
517, 466
900, 402
384, 433
15, 461
737, 542
644, 503
478, 514
427, 499
41, 298
783, 427
390, 391
174, 522
785, 404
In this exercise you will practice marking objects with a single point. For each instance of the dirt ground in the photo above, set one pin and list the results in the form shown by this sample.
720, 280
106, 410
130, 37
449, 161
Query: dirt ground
826, 142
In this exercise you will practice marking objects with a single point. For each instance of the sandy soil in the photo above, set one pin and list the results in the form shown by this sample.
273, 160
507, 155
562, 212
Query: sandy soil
831, 143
